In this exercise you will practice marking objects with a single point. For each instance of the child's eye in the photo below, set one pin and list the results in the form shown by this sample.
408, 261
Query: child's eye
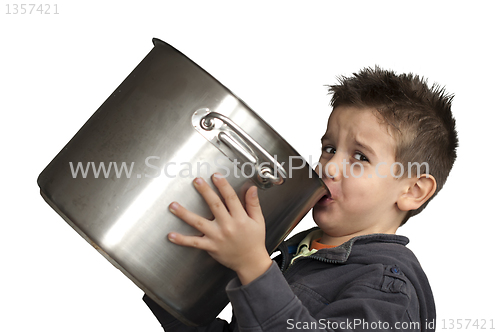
329, 149
361, 157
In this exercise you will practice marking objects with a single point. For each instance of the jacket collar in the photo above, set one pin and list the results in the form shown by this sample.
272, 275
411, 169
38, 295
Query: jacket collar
341, 253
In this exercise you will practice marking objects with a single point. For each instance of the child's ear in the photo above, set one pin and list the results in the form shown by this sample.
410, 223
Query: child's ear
418, 191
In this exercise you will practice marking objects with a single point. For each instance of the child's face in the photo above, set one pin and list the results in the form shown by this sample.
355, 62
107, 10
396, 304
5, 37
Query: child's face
357, 155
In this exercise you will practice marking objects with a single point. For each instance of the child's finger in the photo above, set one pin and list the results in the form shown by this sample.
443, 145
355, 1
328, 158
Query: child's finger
200, 242
213, 200
231, 199
203, 225
252, 204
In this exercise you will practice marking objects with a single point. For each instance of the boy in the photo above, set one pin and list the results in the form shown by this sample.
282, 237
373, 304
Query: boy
389, 146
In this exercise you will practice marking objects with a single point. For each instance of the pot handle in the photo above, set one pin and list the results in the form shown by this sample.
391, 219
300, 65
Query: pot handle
269, 170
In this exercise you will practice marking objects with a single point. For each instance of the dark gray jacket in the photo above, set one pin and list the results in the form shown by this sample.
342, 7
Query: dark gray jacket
371, 282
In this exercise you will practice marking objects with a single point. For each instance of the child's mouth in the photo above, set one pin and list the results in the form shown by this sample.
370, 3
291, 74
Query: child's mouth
325, 200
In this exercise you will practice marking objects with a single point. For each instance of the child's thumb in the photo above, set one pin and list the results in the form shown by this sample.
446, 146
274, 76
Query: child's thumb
252, 204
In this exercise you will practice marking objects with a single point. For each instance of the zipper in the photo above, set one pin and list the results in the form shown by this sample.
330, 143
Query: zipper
313, 256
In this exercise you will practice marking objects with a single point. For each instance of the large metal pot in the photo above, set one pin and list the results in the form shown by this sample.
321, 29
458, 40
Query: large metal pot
168, 122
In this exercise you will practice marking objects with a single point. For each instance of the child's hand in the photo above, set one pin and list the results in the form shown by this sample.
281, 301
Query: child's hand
236, 238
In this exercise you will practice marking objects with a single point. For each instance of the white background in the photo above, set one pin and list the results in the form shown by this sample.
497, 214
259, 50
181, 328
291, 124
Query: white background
56, 70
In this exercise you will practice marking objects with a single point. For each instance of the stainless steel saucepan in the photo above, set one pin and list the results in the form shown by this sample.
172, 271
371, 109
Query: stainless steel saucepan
168, 122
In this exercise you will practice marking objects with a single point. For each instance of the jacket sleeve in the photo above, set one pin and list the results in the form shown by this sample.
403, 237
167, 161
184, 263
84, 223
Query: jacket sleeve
269, 304
170, 323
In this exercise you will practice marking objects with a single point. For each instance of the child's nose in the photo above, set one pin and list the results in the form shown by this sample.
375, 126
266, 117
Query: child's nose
333, 168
